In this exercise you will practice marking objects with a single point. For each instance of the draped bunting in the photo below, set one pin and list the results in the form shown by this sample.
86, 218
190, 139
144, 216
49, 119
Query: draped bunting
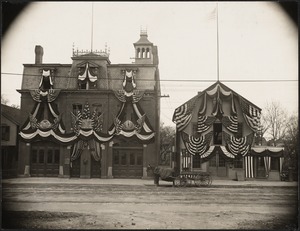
204, 123
228, 154
64, 138
218, 92
249, 166
267, 151
196, 144
251, 114
208, 152
93, 146
183, 114
231, 123
123, 125
87, 75
50, 94
238, 146
45, 114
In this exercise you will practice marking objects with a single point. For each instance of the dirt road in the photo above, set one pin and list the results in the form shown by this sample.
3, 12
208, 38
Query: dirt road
147, 207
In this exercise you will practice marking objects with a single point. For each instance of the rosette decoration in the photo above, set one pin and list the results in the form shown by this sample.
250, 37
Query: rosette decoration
197, 145
238, 146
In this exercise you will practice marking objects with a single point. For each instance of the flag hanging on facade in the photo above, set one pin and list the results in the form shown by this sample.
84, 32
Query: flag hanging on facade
251, 114
183, 114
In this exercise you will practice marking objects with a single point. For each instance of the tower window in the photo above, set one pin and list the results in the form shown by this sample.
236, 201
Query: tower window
143, 53
138, 55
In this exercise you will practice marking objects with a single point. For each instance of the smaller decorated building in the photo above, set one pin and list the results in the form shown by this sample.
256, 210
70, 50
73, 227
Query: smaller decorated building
215, 133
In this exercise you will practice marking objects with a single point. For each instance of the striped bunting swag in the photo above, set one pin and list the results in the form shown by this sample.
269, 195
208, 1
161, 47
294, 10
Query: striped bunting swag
249, 170
196, 144
231, 123
251, 114
204, 123
183, 114
238, 145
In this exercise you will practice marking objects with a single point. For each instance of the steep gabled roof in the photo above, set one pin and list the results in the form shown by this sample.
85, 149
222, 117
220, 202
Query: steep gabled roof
11, 113
212, 87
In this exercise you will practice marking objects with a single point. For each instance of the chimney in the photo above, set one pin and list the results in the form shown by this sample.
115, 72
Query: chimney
39, 51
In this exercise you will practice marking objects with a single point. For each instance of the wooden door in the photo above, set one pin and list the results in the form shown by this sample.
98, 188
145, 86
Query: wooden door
44, 159
217, 166
95, 168
75, 169
260, 167
127, 163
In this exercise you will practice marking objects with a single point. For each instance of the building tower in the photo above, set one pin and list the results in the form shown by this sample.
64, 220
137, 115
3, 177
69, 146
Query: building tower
143, 49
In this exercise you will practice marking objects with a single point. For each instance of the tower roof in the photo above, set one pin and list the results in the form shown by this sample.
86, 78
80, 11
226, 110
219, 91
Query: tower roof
143, 39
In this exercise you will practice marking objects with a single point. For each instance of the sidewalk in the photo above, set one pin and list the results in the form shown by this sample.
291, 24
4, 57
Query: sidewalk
141, 182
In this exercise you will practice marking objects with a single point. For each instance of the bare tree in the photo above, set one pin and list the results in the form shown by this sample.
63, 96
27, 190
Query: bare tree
273, 121
4, 100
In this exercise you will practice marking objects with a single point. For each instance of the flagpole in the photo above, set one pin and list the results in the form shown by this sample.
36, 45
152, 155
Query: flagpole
218, 76
92, 29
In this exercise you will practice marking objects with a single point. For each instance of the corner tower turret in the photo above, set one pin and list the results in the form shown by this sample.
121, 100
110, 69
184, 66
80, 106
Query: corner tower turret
143, 49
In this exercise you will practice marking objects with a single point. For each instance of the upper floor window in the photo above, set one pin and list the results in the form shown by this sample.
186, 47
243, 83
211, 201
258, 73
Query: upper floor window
76, 108
217, 127
194, 129
87, 78
5, 132
46, 80
240, 130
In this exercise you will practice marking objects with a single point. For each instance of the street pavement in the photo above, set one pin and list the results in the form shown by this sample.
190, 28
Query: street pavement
94, 181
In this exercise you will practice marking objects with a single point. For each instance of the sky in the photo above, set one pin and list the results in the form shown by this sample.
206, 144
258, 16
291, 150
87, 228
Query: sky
243, 40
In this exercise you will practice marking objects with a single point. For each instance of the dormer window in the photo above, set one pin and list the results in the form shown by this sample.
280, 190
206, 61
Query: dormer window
87, 80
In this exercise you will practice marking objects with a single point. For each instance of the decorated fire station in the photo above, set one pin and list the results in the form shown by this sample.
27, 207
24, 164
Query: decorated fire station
91, 118
215, 133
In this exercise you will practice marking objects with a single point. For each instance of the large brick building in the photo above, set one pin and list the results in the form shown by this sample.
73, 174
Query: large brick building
91, 118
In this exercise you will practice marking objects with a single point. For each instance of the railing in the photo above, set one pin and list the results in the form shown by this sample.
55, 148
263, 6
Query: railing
96, 52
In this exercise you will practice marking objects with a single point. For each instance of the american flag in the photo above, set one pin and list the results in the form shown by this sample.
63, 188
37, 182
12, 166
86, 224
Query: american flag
251, 114
183, 114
